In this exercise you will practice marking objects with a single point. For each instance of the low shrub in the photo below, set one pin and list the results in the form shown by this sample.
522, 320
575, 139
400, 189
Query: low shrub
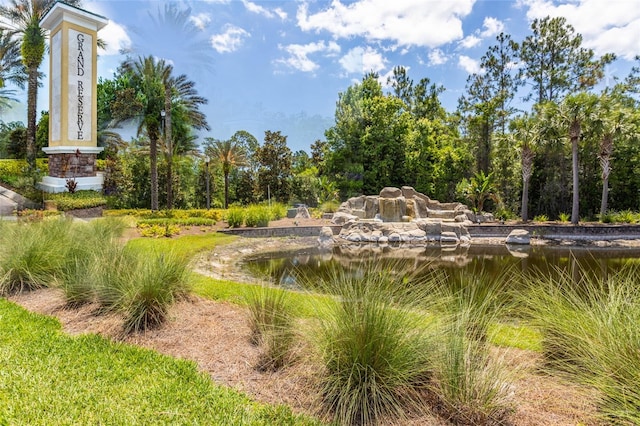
158, 230
256, 215
329, 206
541, 218
564, 217
78, 200
235, 217
272, 325
277, 211
189, 221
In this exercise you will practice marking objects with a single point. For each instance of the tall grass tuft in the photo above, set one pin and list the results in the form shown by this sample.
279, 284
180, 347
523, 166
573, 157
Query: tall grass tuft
148, 290
374, 349
590, 334
272, 325
88, 245
32, 254
470, 386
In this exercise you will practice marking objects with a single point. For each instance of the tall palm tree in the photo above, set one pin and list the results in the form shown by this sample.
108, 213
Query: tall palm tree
26, 15
179, 91
526, 132
573, 111
11, 67
612, 121
229, 155
147, 81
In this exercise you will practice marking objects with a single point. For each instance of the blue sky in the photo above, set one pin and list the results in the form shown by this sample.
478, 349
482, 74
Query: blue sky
279, 65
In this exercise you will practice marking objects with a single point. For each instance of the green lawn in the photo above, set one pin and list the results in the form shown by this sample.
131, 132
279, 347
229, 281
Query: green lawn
48, 377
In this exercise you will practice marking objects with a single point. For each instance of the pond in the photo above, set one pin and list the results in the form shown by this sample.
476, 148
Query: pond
295, 268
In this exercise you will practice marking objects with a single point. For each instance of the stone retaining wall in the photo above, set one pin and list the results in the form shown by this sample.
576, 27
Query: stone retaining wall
589, 231
293, 231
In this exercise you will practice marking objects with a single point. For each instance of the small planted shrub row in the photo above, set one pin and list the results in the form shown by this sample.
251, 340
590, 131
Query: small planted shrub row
624, 216
157, 230
255, 215
190, 221
90, 265
65, 201
212, 214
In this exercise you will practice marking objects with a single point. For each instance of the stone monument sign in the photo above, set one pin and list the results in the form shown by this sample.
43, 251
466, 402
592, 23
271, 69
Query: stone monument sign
73, 141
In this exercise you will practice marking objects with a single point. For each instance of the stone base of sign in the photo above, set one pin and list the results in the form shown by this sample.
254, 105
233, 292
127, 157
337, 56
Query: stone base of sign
54, 184
72, 163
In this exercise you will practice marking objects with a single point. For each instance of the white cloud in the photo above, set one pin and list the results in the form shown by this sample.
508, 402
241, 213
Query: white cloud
469, 65
359, 60
299, 54
200, 20
470, 41
606, 26
230, 39
116, 38
437, 57
218, 1
256, 8
406, 23
492, 27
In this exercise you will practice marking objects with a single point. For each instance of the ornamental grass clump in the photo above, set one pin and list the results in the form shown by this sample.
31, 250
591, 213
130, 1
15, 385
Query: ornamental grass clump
32, 254
590, 334
257, 215
272, 325
470, 385
89, 243
155, 283
374, 349
235, 217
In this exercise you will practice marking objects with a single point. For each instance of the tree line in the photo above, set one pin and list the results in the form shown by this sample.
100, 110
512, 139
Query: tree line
535, 129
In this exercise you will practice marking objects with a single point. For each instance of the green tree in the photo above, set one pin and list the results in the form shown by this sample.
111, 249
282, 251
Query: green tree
367, 144
145, 101
11, 66
525, 131
555, 63
228, 155
274, 175
573, 112
26, 15
179, 90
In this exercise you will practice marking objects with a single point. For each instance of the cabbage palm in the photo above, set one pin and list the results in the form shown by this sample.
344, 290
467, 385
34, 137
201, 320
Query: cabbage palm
526, 132
11, 67
26, 15
572, 112
147, 102
229, 155
179, 90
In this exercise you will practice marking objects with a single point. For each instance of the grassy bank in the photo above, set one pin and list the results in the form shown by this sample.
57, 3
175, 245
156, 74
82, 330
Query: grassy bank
48, 378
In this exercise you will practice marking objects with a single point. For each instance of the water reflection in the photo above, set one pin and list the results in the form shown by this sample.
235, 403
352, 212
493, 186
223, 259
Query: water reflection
296, 269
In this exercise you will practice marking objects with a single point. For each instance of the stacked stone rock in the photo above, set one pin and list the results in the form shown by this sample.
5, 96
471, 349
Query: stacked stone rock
403, 215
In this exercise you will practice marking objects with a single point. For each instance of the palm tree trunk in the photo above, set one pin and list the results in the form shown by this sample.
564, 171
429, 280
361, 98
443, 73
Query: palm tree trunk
169, 146
226, 190
32, 99
153, 154
574, 133
525, 200
605, 196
